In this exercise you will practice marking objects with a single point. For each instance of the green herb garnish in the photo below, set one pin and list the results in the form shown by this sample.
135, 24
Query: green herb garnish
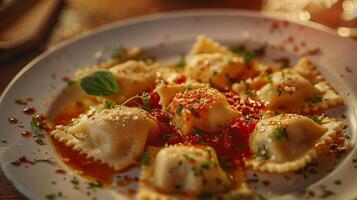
179, 110
262, 153
100, 83
109, 104
95, 184
205, 165
315, 99
167, 137
197, 131
317, 119
146, 98
118, 52
181, 63
71, 82
145, 158
269, 79
35, 126
51, 196
248, 55
279, 133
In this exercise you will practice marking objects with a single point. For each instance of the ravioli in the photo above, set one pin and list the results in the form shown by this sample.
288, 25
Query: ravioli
287, 89
299, 89
168, 91
113, 136
201, 109
133, 78
288, 142
194, 172
210, 62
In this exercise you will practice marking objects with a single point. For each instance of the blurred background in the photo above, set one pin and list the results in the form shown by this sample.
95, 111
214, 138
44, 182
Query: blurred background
29, 27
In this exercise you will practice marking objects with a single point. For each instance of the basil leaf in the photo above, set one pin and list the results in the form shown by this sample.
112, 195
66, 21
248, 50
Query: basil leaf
101, 83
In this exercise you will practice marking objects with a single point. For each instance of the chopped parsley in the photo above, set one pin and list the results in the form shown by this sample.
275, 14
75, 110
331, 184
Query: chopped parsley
179, 110
205, 165
262, 153
146, 98
337, 182
181, 63
118, 52
248, 55
95, 184
317, 119
315, 99
197, 131
167, 137
209, 149
279, 133
75, 181
35, 126
145, 158
269, 79
51, 196
109, 104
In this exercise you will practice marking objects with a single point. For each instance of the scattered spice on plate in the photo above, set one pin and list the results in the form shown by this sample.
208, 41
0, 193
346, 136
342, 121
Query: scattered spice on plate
13, 120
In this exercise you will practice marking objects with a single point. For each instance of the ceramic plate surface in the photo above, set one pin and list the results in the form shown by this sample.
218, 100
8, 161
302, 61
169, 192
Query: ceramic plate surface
166, 37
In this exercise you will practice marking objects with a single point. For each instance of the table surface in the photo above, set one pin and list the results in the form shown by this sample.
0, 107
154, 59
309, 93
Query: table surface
79, 16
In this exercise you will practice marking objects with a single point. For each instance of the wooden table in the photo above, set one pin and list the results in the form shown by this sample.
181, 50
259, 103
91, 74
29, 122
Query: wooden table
79, 16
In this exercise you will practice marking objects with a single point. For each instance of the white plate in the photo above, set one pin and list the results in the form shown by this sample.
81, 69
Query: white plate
167, 36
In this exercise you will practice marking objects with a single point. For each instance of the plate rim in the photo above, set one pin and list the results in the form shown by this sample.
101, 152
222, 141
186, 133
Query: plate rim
147, 18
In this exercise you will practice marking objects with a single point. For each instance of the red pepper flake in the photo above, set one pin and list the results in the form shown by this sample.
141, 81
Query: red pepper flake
296, 48
21, 126
311, 193
65, 79
290, 39
274, 26
29, 111
312, 52
180, 79
266, 183
24, 160
131, 191
286, 23
303, 44
20, 102
60, 171
349, 69
13, 120
26, 134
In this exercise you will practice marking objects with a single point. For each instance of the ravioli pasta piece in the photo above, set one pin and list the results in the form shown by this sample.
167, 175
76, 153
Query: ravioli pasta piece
289, 91
307, 69
168, 91
201, 109
187, 172
133, 78
205, 44
288, 142
113, 136
217, 69
210, 62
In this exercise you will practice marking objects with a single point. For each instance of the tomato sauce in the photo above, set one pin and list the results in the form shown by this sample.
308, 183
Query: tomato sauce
230, 143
